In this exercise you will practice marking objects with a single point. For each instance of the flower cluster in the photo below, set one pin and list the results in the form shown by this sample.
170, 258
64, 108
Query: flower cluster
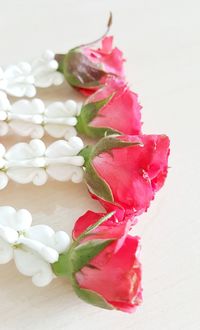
23, 78
34, 162
33, 248
33, 118
123, 171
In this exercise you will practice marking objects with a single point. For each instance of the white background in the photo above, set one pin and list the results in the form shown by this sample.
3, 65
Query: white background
161, 41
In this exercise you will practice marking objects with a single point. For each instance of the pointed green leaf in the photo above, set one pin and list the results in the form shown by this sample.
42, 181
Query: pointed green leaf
78, 256
88, 113
62, 267
86, 154
92, 298
97, 184
110, 142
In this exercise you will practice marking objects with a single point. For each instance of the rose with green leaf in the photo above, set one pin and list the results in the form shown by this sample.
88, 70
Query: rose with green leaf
87, 69
114, 108
126, 171
102, 262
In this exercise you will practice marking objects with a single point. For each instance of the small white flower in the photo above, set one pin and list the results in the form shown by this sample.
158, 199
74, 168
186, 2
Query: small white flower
33, 249
22, 79
60, 119
44, 70
31, 118
33, 162
17, 80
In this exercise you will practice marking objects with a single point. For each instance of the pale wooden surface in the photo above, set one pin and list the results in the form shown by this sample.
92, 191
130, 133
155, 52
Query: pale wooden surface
161, 41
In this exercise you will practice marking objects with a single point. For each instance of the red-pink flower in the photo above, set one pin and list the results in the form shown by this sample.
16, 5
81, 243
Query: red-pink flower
112, 109
126, 171
115, 272
87, 69
111, 59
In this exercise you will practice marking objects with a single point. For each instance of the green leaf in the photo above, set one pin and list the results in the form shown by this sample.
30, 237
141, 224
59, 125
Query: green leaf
97, 184
62, 267
86, 153
81, 255
88, 113
92, 298
110, 142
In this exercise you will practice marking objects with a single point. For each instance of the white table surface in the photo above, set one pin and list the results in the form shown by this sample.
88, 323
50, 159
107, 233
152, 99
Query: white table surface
161, 41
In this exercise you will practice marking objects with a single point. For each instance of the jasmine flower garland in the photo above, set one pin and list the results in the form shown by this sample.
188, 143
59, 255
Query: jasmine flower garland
123, 170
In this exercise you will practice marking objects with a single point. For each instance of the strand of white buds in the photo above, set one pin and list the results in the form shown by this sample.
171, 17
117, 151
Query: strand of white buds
22, 79
32, 118
33, 249
34, 162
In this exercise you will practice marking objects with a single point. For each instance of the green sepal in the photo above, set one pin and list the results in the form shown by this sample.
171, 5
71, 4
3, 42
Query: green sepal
110, 142
89, 229
99, 186
62, 267
86, 154
88, 113
78, 256
96, 183
79, 71
92, 298
81, 255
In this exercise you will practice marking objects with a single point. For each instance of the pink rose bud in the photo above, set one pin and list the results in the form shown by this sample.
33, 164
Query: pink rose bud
112, 109
102, 263
86, 68
127, 171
